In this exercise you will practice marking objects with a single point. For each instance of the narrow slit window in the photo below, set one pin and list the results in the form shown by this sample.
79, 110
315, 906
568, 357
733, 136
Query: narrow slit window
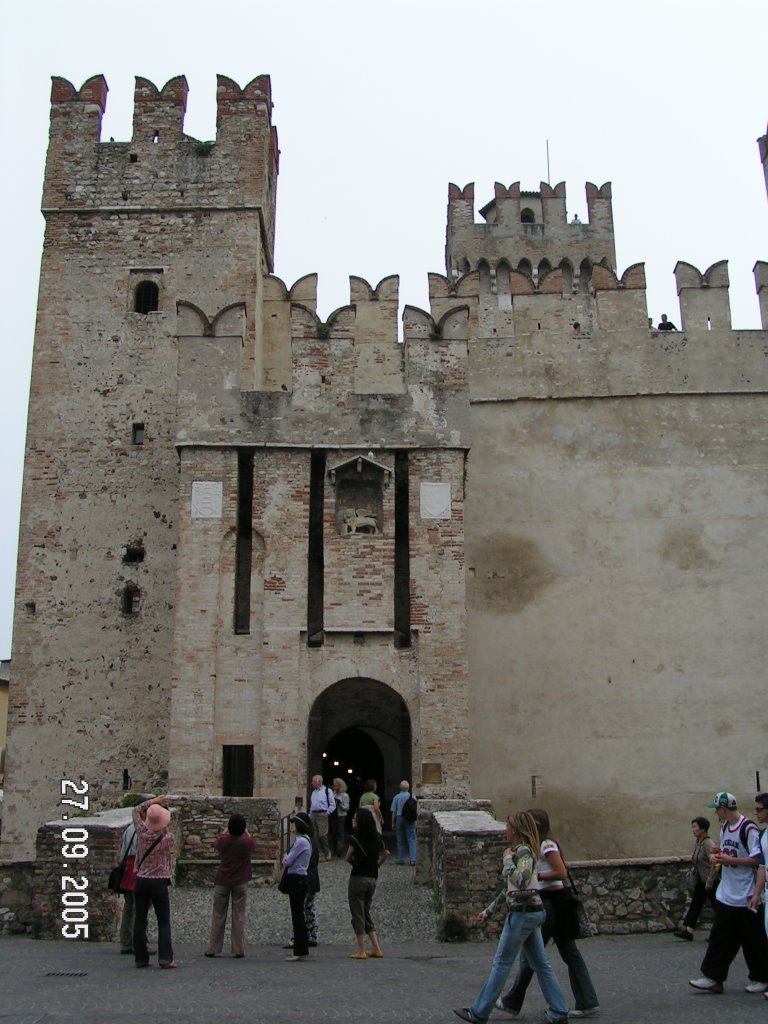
244, 542
315, 554
137, 433
402, 611
131, 599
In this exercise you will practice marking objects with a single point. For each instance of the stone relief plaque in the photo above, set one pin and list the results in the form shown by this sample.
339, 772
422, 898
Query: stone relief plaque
435, 501
206, 499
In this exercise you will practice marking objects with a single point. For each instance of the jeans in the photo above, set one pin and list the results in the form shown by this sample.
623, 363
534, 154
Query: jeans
126, 923
154, 890
405, 832
521, 931
581, 984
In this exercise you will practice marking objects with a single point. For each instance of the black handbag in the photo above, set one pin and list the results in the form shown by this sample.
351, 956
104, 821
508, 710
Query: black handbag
115, 879
283, 885
580, 925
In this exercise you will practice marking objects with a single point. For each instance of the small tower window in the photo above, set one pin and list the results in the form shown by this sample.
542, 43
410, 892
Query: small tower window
131, 599
527, 216
134, 552
137, 433
146, 297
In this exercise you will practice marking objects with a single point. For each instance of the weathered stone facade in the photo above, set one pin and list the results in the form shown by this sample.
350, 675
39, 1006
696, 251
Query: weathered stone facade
519, 555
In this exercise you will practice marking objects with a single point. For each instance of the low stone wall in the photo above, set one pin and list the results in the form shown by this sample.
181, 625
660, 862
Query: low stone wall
620, 896
195, 823
204, 818
428, 807
61, 885
16, 882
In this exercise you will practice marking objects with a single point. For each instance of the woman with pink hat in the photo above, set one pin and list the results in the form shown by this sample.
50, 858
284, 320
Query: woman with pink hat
153, 880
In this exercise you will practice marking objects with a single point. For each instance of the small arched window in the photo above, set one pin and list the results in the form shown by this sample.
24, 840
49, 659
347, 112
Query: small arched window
146, 297
527, 216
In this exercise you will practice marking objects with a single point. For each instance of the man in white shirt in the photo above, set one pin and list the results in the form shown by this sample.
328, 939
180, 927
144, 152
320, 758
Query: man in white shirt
736, 925
322, 804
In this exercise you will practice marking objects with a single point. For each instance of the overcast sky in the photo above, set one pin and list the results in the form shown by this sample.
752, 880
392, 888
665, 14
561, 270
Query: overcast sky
379, 105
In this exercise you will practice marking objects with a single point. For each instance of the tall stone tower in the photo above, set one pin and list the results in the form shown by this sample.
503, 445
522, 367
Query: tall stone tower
132, 229
242, 529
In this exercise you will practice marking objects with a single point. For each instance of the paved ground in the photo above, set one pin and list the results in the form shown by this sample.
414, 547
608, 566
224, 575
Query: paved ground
639, 978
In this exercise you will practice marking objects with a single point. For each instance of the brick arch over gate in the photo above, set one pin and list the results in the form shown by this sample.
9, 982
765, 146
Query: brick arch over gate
366, 726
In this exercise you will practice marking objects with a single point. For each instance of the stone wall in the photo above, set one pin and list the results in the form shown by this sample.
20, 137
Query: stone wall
55, 878
426, 873
620, 896
195, 823
204, 818
16, 884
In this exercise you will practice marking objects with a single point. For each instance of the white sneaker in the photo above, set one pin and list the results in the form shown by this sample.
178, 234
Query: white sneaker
757, 986
500, 1006
707, 984
591, 1012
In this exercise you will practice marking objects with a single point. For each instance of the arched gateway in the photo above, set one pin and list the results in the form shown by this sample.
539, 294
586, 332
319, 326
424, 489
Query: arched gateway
357, 729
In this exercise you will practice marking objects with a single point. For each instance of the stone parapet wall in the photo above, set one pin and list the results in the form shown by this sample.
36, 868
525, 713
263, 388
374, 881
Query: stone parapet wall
620, 896
195, 822
16, 882
88, 873
428, 807
204, 818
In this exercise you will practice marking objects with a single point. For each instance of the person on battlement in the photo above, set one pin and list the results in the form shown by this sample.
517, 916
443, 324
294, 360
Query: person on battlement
666, 325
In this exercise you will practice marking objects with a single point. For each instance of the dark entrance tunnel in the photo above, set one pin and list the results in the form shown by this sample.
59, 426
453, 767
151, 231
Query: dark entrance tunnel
365, 726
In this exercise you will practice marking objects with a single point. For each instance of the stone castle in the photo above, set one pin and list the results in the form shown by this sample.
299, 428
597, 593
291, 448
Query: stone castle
521, 555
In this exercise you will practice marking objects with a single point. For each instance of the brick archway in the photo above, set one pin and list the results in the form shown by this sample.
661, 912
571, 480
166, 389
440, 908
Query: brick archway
365, 726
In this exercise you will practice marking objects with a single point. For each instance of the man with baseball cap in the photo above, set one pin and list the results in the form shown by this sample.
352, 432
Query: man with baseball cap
736, 925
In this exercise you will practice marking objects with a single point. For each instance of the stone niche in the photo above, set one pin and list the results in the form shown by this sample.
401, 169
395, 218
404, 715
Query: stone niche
358, 485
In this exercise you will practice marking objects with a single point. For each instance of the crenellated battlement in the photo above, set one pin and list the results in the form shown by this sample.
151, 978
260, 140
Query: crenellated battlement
762, 144
161, 168
528, 230
350, 372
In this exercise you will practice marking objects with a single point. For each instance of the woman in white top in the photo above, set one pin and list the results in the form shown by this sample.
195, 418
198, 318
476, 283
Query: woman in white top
559, 925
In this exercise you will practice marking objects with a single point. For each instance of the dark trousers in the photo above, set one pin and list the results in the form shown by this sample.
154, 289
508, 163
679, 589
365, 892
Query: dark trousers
156, 892
581, 983
736, 928
296, 893
698, 899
